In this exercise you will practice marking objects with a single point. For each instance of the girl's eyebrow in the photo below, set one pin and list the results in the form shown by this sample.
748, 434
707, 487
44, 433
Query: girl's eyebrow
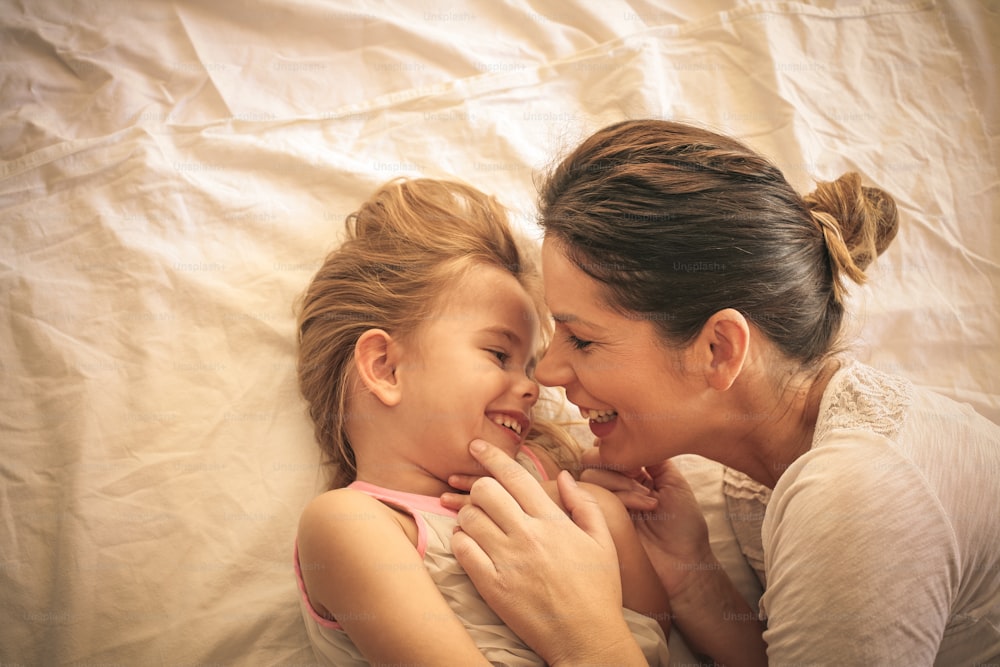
503, 331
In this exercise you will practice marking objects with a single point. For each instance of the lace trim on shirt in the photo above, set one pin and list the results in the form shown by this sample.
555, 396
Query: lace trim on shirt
746, 502
858, 397
863, 398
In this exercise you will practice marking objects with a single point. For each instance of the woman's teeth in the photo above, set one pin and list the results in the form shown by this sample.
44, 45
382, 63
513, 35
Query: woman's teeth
598, 415
509, 422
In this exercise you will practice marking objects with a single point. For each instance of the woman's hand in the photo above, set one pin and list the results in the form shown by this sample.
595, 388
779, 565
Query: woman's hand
631, 486
552, 577
708, 610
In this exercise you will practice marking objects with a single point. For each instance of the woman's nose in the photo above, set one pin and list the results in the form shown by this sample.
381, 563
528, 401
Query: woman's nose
552, 370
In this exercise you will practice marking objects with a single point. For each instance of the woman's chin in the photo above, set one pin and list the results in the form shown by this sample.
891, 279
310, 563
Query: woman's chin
617, 457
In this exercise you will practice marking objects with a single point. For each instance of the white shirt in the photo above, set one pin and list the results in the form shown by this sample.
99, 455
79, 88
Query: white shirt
881, 545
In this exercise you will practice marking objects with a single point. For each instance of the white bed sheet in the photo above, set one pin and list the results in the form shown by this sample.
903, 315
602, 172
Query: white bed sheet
172, 175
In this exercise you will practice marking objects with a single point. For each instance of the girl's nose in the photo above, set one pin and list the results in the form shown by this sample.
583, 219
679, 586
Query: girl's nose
528, 388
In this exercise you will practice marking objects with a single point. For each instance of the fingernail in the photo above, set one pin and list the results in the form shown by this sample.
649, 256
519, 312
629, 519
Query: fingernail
477, 447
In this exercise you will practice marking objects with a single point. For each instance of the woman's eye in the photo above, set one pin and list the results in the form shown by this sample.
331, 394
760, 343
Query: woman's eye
577, 343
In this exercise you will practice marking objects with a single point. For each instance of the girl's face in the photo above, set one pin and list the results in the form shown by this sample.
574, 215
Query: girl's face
625, 381
469, 373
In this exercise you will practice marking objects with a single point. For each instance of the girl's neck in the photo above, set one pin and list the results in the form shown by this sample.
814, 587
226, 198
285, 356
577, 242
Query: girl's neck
384, 461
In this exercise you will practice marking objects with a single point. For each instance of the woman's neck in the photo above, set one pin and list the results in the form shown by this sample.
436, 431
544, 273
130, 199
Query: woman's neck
783, 427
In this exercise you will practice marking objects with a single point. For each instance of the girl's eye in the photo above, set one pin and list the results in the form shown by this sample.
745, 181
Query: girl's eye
577, 343
501, 356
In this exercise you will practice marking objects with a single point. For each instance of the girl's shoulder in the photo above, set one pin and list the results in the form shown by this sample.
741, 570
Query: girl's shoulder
349, 514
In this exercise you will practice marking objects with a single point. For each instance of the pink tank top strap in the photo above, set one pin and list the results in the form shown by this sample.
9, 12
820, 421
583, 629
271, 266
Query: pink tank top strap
411, 503
535, 461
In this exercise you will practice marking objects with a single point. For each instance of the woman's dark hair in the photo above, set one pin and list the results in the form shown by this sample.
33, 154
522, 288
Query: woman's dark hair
678, 222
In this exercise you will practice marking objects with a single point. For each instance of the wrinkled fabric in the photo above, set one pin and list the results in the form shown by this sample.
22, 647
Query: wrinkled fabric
173, 173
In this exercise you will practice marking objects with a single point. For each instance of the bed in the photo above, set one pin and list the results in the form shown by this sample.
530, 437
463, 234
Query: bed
173, 173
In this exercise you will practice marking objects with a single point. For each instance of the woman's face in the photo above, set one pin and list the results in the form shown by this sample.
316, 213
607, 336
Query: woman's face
633, 390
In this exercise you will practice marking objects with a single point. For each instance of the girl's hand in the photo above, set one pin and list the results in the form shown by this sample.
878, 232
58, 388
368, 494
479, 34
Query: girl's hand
552, 577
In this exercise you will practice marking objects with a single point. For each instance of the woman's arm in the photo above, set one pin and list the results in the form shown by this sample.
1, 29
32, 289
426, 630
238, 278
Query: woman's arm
358, 563
524, 547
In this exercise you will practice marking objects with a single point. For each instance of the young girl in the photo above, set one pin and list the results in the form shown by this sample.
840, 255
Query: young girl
418, 335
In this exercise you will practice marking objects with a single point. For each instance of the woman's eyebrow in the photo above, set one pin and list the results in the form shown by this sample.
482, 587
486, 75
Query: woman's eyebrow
567, 318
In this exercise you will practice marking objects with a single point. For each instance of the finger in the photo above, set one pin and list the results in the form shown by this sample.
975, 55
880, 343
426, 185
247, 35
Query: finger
473, 559
455, 501
496, 504
666, 473
633, 495
462, 482
480, 527
517, 483
613, 481
591, 458
635, 502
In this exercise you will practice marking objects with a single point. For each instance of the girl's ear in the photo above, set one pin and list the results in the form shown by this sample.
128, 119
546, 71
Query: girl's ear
724, 343
375, 361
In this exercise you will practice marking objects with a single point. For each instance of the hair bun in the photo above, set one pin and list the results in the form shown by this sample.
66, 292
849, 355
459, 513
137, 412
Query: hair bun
866, 217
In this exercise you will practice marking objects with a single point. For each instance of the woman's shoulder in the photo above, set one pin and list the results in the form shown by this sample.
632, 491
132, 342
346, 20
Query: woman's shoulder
859, 397
877, 419
861, 487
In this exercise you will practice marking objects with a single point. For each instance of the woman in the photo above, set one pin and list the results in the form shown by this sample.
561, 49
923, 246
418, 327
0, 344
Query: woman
698, 301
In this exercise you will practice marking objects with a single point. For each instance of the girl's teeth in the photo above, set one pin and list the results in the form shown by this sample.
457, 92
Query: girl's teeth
512, 424
598, 415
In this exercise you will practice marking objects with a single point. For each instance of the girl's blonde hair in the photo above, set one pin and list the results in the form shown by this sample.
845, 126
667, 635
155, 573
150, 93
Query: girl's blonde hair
404, 248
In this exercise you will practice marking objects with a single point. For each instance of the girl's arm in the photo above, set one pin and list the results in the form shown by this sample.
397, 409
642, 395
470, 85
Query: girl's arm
709, 611
359, 565
642, 590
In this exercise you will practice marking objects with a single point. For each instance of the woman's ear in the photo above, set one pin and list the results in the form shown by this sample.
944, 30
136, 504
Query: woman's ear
375, 362
724, 343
